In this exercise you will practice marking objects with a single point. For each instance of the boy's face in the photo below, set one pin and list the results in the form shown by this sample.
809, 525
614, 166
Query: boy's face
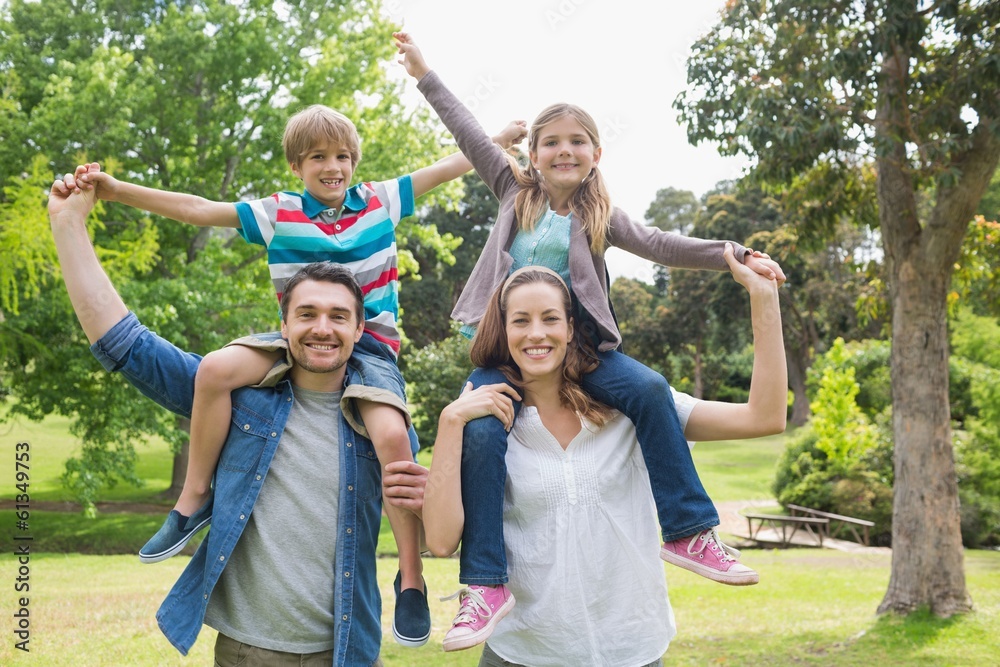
326, 172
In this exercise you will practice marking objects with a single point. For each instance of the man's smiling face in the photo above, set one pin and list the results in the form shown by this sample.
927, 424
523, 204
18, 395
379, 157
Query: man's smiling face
321, 327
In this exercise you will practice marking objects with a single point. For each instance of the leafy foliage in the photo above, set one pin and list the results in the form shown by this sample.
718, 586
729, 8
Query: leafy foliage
436, 374
189, 97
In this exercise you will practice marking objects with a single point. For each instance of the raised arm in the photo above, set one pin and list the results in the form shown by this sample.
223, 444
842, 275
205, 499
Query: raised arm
443, 512
765, 410
189, 209
489, 160
94, 298
684, 252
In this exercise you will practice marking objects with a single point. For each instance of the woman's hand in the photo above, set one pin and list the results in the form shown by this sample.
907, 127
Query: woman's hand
495, 400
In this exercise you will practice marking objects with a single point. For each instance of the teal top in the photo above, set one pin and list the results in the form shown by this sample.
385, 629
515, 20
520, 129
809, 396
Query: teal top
546, 245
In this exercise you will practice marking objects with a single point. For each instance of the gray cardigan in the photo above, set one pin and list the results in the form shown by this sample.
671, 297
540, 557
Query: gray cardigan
587, 270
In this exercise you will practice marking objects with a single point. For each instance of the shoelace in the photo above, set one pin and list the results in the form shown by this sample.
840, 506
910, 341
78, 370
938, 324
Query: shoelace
702, 540
471, 605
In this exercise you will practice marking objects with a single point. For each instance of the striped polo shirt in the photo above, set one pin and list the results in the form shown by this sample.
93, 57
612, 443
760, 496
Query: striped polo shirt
297, 229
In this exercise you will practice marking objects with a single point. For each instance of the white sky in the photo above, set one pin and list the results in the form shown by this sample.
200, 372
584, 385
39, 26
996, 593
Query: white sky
621, 60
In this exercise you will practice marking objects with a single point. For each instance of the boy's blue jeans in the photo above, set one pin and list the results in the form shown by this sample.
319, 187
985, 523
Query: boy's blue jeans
622, 383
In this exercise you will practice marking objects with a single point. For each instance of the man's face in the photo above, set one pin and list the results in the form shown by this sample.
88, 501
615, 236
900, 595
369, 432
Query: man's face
321, 328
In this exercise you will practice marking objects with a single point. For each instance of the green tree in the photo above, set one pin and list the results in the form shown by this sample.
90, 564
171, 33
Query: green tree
428, 297
913, 88
190, 97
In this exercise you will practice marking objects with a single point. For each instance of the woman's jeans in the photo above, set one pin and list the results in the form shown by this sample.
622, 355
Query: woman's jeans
622, 383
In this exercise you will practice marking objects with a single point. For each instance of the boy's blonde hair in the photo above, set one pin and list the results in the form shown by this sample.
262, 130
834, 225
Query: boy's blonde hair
317, 124
591, 204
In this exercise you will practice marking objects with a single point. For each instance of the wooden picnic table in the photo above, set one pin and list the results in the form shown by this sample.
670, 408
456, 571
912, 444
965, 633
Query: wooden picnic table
787, 526
838, 523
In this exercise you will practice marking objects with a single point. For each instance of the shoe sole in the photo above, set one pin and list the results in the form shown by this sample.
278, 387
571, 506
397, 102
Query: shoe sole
744, 579
409, 642
476, 638
174, 550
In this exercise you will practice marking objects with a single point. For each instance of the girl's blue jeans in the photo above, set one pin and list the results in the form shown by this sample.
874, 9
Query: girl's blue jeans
622, 383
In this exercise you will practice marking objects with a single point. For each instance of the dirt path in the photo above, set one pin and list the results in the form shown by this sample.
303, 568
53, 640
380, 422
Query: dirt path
106, 507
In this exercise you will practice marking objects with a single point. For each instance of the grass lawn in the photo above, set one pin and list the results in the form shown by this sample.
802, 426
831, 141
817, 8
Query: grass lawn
812, 607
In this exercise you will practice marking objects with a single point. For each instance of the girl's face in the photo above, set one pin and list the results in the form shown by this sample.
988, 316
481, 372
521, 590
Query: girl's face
564, 154
538, 330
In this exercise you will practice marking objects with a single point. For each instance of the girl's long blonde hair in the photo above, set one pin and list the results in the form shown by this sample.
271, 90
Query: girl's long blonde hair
490, 348
591, 203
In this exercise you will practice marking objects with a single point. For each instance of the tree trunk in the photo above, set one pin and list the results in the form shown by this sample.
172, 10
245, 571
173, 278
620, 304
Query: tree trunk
927, 556
797, 365
180, 463
699, 378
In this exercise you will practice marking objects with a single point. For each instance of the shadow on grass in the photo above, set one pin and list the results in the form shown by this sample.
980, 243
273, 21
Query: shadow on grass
107, 534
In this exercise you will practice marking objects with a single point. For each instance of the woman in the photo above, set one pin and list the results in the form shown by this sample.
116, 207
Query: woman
579, 520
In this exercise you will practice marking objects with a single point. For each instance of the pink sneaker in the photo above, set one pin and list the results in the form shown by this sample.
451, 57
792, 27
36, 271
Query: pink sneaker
705, 554
480, 609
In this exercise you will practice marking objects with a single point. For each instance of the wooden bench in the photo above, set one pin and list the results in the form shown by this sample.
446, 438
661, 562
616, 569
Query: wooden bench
838, 523
787, 526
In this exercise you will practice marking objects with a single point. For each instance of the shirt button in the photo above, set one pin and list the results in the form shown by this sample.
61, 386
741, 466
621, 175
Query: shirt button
258, 478
273, 434
222, 558
337, 227
243, 516
246, 427
348, 444
347, 574
350, 488
205, 596
344, 617
289, 399
349, 531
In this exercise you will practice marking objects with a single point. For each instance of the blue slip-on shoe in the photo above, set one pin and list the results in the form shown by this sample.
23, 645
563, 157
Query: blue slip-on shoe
175, 533
411, 621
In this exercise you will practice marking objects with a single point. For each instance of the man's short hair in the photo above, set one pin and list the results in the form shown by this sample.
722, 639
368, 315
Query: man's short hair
324, 272
319, 124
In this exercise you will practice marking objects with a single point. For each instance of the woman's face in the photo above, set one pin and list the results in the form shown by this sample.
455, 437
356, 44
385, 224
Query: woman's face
538, 330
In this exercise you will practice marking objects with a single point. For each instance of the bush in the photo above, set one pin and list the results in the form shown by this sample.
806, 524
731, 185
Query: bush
435, 375
840, 462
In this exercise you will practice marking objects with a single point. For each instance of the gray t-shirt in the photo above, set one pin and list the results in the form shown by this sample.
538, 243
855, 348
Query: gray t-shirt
277, 591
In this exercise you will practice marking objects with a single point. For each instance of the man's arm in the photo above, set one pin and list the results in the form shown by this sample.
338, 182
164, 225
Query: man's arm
162, 372
190, 209
97, 304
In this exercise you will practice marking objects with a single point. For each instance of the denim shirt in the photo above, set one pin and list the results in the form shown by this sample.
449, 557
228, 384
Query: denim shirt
166, 374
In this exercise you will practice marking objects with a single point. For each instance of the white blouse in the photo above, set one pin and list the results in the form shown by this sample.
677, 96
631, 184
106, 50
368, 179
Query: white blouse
582, 548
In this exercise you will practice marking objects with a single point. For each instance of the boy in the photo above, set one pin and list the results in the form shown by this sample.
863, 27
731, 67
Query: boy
350, 225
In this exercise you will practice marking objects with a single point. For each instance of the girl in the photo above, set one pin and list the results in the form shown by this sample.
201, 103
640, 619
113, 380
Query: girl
577, 512
557, 212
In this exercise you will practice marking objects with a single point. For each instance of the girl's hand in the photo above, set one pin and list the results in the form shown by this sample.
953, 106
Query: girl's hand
489, 400
765, 266
412, 59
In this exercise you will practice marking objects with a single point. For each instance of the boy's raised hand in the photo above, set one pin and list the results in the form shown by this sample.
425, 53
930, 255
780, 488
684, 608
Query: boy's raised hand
90, 177
511, 135
412, 59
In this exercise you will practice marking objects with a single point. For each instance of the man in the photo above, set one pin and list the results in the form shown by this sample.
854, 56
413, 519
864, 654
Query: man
297, 492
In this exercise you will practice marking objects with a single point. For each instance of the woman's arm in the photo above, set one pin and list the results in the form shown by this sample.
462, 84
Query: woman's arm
764, 412
444, 515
